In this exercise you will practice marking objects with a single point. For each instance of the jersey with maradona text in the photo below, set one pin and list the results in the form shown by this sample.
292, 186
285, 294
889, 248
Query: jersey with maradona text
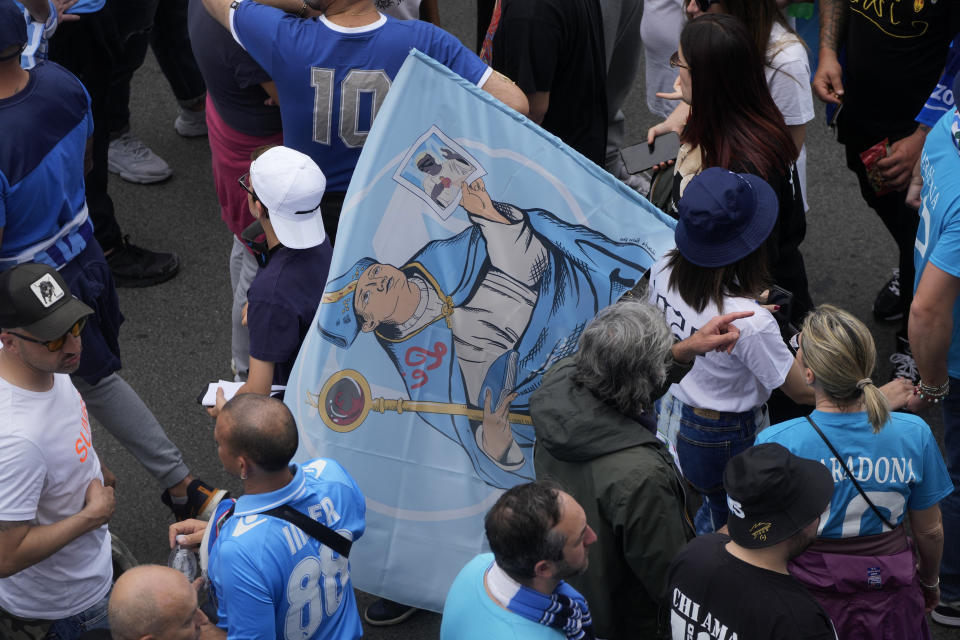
272, 580
331, 80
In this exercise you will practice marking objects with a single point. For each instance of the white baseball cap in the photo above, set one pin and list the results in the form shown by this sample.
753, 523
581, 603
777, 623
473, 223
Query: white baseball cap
291, 185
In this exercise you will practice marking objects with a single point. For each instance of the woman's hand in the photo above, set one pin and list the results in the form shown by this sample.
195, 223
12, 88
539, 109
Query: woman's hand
898, 392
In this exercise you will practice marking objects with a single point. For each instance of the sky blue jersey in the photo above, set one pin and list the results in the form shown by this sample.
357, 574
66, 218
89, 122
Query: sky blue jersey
900, 468
272, 580
332, 80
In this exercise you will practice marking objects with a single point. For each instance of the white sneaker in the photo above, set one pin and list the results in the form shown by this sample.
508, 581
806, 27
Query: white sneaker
191, 124
135, 162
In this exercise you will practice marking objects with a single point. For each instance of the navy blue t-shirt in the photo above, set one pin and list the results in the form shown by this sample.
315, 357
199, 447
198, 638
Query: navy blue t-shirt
232, 77
283, 299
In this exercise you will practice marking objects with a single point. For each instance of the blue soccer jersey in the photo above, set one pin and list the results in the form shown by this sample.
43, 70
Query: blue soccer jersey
42, 207
942, 98
332, 80
938, 234
900, 468
271, 579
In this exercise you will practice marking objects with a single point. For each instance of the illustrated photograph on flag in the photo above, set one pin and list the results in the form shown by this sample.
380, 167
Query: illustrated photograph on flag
473, 248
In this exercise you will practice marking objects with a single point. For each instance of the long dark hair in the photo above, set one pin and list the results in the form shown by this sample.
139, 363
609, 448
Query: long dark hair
733, 119
699, 286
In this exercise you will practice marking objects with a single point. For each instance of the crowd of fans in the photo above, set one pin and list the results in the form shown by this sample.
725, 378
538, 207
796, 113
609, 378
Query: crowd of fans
715, 460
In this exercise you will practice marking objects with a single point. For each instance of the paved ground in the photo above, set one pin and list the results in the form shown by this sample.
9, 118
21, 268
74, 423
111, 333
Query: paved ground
176, 337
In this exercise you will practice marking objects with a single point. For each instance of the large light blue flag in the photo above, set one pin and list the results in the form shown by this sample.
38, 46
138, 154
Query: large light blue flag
473, 248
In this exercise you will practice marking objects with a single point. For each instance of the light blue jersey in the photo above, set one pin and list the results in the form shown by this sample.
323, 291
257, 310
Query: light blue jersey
38, 34
469, 613
332, 80
900, 468
938, 234
271, 579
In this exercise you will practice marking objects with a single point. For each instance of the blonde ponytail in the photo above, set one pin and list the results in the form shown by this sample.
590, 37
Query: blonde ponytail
840, 351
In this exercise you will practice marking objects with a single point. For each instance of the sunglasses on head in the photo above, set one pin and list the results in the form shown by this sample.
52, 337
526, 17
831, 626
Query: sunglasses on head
57, 343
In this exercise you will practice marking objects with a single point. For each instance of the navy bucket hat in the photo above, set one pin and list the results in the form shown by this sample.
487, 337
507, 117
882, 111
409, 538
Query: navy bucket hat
724, 217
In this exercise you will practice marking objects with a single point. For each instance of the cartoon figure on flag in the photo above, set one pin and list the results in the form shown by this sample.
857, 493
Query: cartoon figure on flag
472, 250
477, 337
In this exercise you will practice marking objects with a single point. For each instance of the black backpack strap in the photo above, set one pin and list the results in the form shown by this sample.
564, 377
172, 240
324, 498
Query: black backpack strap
314, 529
849, 473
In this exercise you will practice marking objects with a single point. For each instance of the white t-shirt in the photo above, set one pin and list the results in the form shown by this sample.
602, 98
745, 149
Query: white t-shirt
788, 76
46, 463
736, 382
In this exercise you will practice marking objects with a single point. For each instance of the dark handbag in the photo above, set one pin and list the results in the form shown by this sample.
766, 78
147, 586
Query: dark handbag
846, 470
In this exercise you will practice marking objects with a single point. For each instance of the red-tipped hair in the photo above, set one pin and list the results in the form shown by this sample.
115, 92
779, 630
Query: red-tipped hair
733, 119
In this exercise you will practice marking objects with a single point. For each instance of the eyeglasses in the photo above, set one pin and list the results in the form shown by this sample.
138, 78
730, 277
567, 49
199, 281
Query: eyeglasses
675, 61
244, 181
57, 343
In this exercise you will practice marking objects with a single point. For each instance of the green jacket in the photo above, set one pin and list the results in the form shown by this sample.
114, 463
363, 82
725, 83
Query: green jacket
625, 481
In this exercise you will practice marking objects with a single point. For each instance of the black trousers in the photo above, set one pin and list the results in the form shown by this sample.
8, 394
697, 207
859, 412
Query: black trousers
900, 220
89, 48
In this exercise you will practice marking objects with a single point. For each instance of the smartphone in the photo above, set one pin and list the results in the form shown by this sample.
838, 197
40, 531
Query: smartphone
641, 157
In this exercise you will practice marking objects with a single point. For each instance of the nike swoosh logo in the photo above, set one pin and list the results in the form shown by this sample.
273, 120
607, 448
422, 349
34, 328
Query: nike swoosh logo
246, 523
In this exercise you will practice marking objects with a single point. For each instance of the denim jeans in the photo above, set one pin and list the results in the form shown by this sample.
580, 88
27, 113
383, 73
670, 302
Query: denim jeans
705, 442
94, 617
950, 506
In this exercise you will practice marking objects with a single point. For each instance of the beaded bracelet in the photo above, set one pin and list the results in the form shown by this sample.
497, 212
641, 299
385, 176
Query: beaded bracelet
924, 396
303, 10
941, 390
930, 393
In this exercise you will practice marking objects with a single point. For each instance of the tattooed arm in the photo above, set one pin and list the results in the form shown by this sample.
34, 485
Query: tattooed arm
828, 82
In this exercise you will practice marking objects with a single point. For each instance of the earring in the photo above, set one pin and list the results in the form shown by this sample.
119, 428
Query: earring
243, 474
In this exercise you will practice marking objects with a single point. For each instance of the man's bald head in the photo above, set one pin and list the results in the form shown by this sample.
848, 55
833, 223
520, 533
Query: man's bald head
261, 429
157, 602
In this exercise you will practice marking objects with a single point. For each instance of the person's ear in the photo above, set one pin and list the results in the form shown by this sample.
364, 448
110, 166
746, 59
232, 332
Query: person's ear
544, 569
808, 376
369, 325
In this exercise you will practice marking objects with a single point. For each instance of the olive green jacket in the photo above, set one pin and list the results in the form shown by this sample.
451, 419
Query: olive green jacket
624, 479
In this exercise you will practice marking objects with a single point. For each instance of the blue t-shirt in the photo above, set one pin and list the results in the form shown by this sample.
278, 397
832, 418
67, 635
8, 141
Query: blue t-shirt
470, 614
900, 468
42, 206
938, 234
272, 580
942, 98
283, 299
332, 80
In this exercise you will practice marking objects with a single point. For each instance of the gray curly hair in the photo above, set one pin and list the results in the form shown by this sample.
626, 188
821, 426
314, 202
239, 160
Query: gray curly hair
624, 354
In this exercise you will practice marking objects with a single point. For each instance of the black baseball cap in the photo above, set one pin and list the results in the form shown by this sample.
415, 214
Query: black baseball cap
35, 297
13, 26
772, 494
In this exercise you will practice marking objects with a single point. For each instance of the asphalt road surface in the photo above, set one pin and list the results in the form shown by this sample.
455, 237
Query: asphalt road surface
176, 337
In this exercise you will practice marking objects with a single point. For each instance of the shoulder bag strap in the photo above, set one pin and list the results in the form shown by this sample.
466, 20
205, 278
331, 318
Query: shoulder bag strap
314, 529
846, 469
